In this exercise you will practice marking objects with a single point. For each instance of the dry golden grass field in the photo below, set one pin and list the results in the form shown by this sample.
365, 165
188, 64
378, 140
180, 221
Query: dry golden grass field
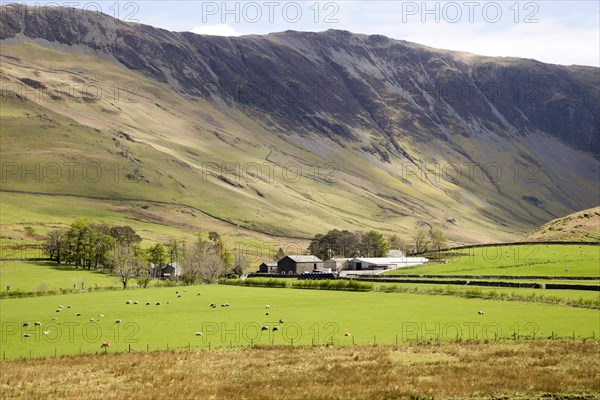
519, 370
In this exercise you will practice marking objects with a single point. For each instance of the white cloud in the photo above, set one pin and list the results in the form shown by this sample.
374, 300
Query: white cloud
216, 30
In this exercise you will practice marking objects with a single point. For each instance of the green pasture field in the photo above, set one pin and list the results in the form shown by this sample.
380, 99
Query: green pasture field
310, 316
518, 260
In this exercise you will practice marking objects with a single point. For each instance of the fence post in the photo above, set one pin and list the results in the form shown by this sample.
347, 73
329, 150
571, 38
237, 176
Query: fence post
374, 340
352, 340
396, 339
189, 346
209, 345
55, 352
129, 347
167, 346
147, 348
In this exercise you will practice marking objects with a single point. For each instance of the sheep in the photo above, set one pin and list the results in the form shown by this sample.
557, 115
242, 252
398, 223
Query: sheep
264, 328
27, 334
281, 320
198, 333
136, 302
158, 303
78, 315
46, 332
179, 296
267, 306
213, 305
25, 324
177, 292
105, 345
58, 310
346, 333
118, 321
147, 303
226, 304
92, 319
68, 306
275, 328
54, 319
101, 315
223, 305
37, 323
128, 302
266, 313
480, 312
198, 294
60, 307
168, 302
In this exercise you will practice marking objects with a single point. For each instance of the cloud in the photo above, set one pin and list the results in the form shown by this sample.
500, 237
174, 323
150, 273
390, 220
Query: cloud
216, 30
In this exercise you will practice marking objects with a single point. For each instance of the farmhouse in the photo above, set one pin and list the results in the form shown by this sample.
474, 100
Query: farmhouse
268, 268
169, 271
298, 264
383, 263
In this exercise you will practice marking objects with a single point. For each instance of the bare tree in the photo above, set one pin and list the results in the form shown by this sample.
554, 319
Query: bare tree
438, 239
127, 264
421, 242
213, 266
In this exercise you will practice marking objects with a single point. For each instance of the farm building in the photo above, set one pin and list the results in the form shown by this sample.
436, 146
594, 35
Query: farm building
336, 264
169, 271
268, 268
382, 263
298, 264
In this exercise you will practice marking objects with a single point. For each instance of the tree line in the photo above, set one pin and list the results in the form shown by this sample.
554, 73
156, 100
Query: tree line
87, 244
346, 244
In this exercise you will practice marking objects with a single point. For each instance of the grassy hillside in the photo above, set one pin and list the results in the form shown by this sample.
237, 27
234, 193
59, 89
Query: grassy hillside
580, 226
93, 128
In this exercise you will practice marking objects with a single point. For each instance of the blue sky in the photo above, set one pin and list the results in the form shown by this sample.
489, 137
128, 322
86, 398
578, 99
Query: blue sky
563, 32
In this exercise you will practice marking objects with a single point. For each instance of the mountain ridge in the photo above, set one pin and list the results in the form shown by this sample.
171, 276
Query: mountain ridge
397, 119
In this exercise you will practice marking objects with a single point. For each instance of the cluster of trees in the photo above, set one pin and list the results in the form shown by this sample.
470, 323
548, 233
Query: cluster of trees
86, 244
98, 245
336, 243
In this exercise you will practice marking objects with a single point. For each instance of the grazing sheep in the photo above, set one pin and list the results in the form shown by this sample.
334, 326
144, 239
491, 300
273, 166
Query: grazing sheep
168, 302
480, 312
118, 321
54, 319
267, 306
179, 296
158, 303
281, 320
78, 315
92, 319
226, 304
60, 307
101, 315
46, 332
105, 344
128, 302
266, 313
148, 303
213, 305
27, 335
25, 324
198, 333
223, 305
136, 302
346, 333
198, 294
264, 328
275, 328
177, 292
58, 310
68, 306
37, 323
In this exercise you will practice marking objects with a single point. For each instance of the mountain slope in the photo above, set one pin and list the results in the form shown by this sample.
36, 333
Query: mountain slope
294, 133
580, 226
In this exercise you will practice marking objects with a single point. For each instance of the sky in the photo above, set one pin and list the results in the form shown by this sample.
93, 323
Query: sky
561, 32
